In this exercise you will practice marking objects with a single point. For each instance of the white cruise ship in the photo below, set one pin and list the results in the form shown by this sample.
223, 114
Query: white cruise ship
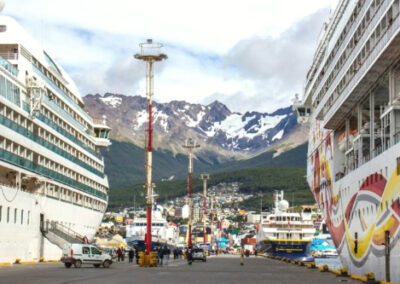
162, 232
52, 182
352, 103
286, 234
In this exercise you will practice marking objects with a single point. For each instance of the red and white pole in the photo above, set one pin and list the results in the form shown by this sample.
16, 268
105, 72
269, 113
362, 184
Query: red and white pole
190, 145
149, 157
150, 52
190, 180
204, 177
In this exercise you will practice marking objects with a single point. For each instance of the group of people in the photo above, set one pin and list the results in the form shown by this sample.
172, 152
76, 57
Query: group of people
131, 254
178, 253
161, 253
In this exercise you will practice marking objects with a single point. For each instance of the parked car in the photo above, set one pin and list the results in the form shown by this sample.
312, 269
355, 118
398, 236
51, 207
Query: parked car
199, 254
78, 254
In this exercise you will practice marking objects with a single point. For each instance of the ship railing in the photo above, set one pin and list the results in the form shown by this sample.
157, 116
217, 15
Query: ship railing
369, 57
8, 55
63, 231
349, 35
8, 66
9, 185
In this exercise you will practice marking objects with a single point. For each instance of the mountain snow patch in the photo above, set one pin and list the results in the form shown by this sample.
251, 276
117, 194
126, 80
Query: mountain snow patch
141, 118
194, 123
234, 126
114, 102
278, 135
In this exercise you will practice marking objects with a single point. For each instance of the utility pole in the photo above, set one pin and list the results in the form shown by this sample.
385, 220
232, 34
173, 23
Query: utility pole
212, 223
150, 53
261, 208
387, 255
190, 144
204, 177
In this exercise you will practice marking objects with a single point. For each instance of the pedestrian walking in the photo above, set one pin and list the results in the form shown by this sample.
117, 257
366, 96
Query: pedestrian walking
242, 256
119, 254
131, 254
189, 255
160, 254
166, 253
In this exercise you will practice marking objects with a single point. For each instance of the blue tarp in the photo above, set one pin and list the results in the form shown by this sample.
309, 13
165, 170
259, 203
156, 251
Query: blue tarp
321, 244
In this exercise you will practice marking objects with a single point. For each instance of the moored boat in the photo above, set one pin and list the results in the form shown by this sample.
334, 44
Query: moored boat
286, 234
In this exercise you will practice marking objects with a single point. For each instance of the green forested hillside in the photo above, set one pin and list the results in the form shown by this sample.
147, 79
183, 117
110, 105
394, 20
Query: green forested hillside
256, 181
125, 163
294, 158
261, 174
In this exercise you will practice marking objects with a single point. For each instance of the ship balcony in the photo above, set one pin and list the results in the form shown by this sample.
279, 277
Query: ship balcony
383, 49
8, 66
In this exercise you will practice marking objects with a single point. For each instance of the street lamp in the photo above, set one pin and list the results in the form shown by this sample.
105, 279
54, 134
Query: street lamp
204, 177
150, 52
190, 144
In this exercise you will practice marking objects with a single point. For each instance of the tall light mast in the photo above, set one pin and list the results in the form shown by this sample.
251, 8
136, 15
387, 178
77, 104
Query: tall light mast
204, 177
190, 144
212, 223
150, 52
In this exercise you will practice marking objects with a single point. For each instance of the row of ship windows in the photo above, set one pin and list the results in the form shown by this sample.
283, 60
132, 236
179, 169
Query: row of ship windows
289, 235
363, 54
12, 93
374, 178
70, 196
30, 126
339, 42
365, 50
367, 210
63, 88
7, 218
153, 224
9, 91
61, 123
285, 218
23, 152
75, 118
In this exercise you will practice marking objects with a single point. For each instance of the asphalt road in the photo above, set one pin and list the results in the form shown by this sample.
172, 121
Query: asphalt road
220, 269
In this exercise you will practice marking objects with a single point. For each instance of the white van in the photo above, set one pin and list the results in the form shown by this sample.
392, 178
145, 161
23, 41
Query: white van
78, 254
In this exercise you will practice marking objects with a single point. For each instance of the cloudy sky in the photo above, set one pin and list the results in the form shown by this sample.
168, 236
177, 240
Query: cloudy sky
248, 54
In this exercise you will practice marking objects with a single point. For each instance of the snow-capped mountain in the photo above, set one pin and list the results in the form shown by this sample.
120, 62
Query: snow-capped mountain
214, 126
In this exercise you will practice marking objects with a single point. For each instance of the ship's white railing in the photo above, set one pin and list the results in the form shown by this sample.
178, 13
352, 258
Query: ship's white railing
9, 185
339, 53
324, 45
9, 55
324, 105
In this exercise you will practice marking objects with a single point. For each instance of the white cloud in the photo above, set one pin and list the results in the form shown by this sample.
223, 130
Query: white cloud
224, 50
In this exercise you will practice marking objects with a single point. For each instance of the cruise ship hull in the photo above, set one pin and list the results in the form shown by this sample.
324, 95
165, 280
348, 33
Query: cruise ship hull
359, 208
293, 249
21, 236
53, 190
352, 103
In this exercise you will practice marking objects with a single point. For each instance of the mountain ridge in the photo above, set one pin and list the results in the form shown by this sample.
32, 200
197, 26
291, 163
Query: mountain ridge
218, 130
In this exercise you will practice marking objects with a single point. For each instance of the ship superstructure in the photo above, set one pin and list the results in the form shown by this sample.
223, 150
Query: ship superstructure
161, 231
52, 179
352, 103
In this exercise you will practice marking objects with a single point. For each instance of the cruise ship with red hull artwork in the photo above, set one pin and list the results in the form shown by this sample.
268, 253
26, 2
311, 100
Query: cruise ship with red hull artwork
352, 103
